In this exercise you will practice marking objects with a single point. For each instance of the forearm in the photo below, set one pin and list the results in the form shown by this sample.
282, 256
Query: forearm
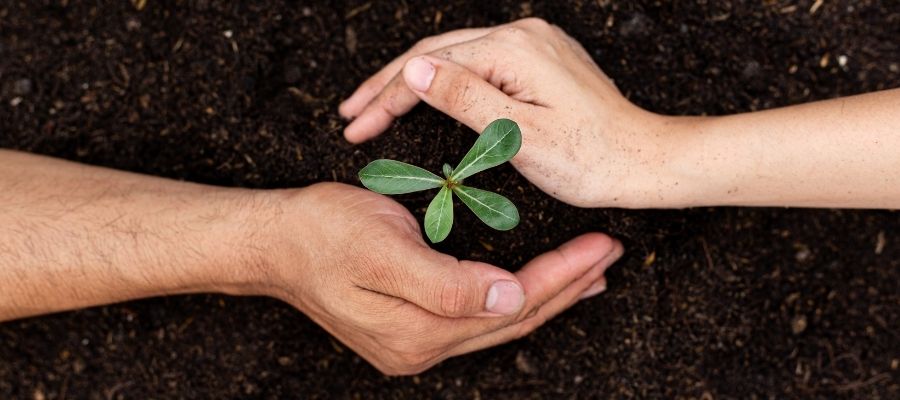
73, 236
837, 153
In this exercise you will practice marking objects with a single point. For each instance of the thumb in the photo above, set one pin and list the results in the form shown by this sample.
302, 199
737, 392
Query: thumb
458, 92
451, 288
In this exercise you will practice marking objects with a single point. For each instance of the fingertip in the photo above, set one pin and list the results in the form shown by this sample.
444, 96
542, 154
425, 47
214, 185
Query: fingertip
418, 73
345, 109
613, 255
504, 297
354, 105
599, 286
366, 126
589, 248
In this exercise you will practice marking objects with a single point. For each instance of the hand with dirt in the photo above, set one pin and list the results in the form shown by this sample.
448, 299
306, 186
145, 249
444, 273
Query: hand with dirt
354, 261
362, 271
582, 140
586, 144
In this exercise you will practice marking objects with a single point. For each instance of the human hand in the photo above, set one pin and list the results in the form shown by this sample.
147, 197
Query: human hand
583, 142
354, 261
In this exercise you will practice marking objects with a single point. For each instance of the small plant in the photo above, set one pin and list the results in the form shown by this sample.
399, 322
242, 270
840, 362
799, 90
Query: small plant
499, 142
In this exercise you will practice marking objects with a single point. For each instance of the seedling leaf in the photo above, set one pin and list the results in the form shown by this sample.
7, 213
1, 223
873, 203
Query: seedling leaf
493, 209
439, 216
395, 177
448, 170
499, 142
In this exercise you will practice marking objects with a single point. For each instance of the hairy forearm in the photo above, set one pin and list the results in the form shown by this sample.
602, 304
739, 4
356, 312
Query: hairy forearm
73, 236
837, 153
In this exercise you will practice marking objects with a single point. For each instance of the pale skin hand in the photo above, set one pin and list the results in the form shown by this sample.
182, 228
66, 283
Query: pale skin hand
74, 236
587, 145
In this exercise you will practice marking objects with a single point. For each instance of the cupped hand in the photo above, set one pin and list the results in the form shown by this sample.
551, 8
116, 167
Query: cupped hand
583, 142
356, 263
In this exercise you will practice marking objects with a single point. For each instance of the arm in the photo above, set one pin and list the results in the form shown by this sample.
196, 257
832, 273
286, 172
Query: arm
73, 236
587, 145
837, 153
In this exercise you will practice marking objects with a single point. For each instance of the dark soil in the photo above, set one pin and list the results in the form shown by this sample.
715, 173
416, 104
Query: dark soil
708, 303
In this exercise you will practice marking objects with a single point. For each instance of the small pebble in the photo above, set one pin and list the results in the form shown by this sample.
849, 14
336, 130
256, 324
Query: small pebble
22, 87
350, 39
15, 101
228, 34
524, 365
803, 254
132, 25
798, 324
751, 70
638, 25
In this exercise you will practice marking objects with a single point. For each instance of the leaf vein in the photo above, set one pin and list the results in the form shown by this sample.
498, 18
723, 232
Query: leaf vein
485, 205
484, 153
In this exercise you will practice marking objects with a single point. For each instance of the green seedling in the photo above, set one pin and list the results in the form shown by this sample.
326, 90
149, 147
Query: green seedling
499, 142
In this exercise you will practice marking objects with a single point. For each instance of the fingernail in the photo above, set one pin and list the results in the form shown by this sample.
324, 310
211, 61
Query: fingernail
418, 74
504, 297
595, 289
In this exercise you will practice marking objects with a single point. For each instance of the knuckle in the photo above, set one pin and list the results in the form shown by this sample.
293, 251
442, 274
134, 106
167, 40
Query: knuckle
512, 34
413, 360
395, 368
423, 45
375, 269
402, 370
461, 96
536, 23
387, 100
452, 299
406, 359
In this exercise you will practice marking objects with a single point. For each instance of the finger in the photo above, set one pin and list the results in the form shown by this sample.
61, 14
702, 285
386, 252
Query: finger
378, 114
577, 263
599, 286
547, 275
364, 94
446, 287
559, 303
397, 98
457, 91
467, 95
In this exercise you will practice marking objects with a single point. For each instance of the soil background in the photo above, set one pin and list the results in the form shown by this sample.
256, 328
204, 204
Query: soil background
708, 303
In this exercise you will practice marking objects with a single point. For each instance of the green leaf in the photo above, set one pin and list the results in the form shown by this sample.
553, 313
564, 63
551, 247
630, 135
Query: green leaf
448, 170
395, 177
493, 209
439, 217
499, 142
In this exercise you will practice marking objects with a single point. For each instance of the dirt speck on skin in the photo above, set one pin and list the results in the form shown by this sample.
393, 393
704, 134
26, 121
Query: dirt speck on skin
715, 314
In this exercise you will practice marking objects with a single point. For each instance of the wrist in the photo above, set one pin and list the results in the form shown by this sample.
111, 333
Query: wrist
241, 234
693, 171
274, 249
657, 165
